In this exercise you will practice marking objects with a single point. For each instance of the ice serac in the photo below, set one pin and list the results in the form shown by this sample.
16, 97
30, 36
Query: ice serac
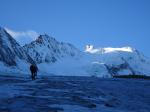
11, 53
46, 49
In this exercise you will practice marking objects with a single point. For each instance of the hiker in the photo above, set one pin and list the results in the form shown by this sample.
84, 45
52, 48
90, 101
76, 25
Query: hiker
33, 69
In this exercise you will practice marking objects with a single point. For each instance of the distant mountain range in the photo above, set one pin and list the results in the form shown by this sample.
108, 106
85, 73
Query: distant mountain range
59, 58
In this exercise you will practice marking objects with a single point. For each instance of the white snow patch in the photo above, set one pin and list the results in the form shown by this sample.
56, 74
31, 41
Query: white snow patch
91, 49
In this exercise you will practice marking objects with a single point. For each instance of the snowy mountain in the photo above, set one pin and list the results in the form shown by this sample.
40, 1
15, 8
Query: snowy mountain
119, 61
46, 49
11, 53
64, 59
54, 57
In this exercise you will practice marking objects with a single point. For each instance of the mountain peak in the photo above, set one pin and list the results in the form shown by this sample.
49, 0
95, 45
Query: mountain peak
44, 38
48, 49
123, 49
91, 49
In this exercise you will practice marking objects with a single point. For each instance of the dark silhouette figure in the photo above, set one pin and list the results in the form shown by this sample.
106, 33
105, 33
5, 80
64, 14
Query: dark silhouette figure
33, 69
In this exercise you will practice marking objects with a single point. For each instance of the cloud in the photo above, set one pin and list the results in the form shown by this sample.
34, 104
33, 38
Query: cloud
23, 37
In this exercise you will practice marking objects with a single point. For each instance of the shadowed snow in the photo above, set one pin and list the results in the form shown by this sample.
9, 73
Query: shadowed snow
72, 94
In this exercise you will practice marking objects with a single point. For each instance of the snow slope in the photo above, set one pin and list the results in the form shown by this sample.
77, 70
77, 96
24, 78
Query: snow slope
46, 49
12, 55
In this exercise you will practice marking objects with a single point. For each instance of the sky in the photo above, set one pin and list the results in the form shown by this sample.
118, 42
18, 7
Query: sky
102, 23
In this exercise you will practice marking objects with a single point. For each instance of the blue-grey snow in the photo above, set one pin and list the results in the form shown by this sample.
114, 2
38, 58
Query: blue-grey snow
73, 94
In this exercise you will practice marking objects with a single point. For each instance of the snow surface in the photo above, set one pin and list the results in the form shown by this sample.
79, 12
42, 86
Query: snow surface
72, 94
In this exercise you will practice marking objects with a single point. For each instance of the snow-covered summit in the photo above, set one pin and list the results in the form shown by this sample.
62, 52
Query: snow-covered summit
91, 49
48, 49
118, 61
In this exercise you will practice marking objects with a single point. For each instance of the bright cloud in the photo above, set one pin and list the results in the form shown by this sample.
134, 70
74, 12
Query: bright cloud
23, 37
